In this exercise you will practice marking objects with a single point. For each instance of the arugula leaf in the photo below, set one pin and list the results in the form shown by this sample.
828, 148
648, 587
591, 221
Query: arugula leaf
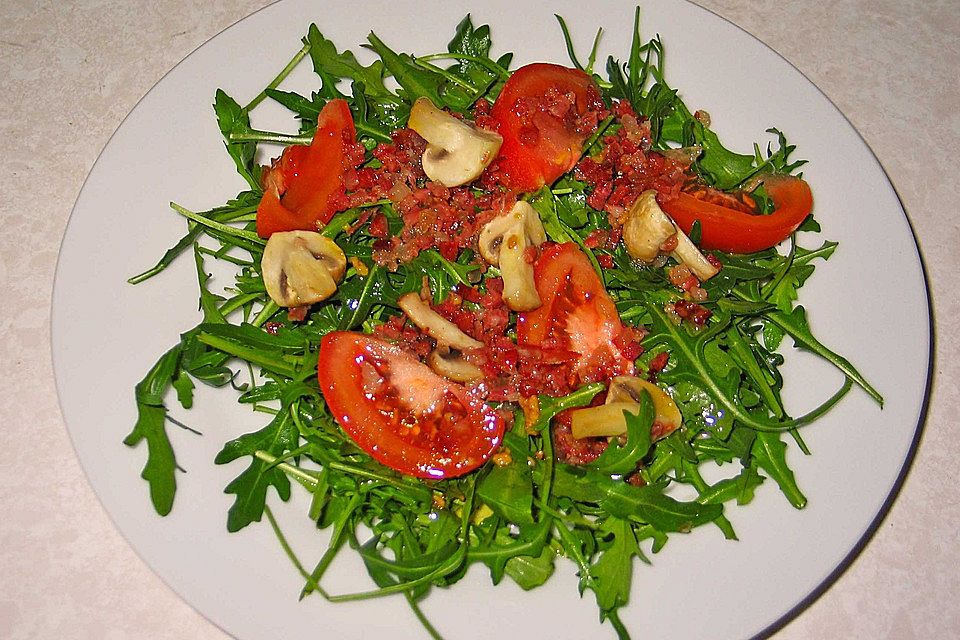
622, 459
613, 570
508, 490
250, 487
531, 571
161, 466
306, 110
644, 504
416, 81
795, 325
328, 61
231, 118
770, 452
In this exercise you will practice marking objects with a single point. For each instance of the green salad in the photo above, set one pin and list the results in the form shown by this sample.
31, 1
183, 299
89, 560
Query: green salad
494, 315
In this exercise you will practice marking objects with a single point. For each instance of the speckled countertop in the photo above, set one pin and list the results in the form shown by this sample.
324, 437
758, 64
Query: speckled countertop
71, 71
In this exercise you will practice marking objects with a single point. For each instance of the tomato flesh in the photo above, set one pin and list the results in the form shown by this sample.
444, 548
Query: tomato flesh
402, 413
577, 315
727, 228
302, 185
544, 113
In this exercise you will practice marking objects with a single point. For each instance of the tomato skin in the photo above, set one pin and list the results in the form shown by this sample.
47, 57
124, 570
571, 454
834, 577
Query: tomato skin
577, 314
371, 387
303, 182
728, 229
538, 145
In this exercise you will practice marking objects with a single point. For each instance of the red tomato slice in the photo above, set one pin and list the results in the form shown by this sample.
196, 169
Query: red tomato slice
402, 413
544, 113
301, 185
577, 315
728, 229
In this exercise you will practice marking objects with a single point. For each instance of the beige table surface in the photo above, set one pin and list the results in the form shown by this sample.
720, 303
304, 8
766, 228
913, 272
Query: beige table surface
70, 71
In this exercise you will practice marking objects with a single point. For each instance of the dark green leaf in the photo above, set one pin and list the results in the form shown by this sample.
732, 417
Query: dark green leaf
231, 118
508, 490
771, 456
328, 61
250, 487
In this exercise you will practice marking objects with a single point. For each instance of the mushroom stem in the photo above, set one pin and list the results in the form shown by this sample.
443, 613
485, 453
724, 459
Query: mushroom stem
646, 229
624, 394
503, 242
451, 365
435, 325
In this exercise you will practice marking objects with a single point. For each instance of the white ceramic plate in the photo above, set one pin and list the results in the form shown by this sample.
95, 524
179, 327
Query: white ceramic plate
869, 301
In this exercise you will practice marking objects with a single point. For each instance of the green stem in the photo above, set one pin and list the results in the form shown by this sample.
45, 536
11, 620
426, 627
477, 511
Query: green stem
237, 302
308, 480
255, 135
218, 226
614, 618
253, 356
285, 545
336, 541
425, 494
304, 50
423, 64
486, 62
429, 628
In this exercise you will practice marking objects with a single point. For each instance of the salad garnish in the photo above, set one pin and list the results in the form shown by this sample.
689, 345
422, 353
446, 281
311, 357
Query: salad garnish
495, 315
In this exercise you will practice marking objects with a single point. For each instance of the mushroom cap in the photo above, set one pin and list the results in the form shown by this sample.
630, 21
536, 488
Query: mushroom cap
301, 267
457, 151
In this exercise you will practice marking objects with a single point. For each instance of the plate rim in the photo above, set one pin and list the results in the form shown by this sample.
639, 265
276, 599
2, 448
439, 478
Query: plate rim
910, 458
817, 592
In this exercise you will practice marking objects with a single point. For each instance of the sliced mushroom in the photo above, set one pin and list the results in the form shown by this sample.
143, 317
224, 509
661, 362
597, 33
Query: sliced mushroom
457, 151
647, 227
687, 253
644, 230
435, 325
624, 395
503, 242
301, 267
604, 421
451, 364
684, 155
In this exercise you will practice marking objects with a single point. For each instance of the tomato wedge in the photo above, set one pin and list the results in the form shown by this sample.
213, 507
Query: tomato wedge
301, 185
577, 315
402, 413
728, 229
544, 114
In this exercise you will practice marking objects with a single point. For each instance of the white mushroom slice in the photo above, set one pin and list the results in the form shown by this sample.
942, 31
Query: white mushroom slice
450, 364
457, 151
503, 242
647, 227
687, 253
604, 421
301, 267
435, 325
624, 395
